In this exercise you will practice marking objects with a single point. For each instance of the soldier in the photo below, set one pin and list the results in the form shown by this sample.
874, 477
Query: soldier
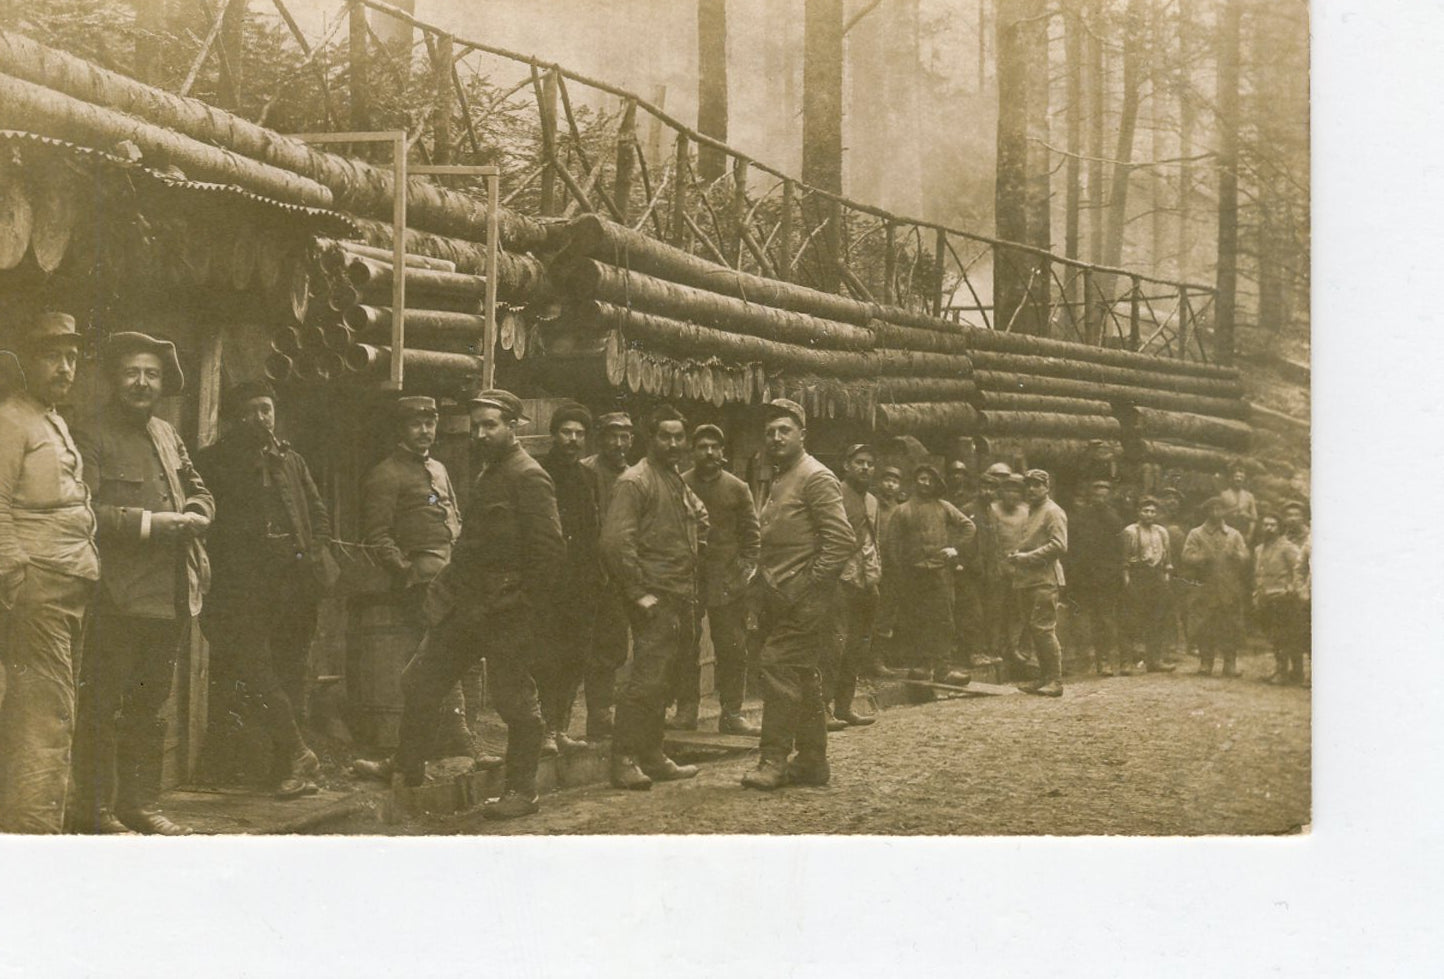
968, 629
1095, 576
890, 496
151, 509
269, 549
1275, 582
570, 635
1007, 523
924, 540
1216, 557
1147, 567
1296, 528
1242, 513
410, 517
852, 654
734, 542
493, 601
48, 569
1170, 516
985, 565
1037, 576
651, 543
609, 632
806, 540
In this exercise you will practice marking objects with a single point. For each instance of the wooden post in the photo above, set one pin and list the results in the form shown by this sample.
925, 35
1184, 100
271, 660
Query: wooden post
889, 261
548, 109
679, 193
739, 203
359, 71
208, 398
1092, 311
441, 60
940, 251
1185, 313
231, 49
784, 267
626, 160
1135, 295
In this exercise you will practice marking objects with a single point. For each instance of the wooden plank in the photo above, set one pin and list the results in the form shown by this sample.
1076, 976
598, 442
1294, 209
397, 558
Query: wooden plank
710, 739
971, 690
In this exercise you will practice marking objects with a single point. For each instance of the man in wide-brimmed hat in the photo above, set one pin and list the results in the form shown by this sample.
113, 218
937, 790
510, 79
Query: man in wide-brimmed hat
270, 548
410, 516
1216, 558
152, 510
48, 568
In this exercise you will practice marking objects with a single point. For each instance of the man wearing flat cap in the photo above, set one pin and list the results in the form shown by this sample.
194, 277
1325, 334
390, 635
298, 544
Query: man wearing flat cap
806, 541
852, 654
48, 569
1216, 558
491, 602
152, 510
580, 589
610, 637
1147, 568
270, 551
734, 543
923, 542
1094, 566
410, 517
1037, 570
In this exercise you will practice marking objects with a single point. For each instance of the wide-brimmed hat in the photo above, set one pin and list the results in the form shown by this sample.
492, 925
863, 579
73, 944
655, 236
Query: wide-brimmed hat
128, 342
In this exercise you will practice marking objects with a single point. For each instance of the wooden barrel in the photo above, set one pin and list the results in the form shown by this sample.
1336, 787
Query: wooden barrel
380, 641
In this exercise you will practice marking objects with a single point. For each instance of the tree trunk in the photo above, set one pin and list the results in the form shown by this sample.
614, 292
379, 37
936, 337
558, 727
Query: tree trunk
1127, 123
711, 84
822, 132
1186, 116
1074, 55
231, 50
1096, 90
1227, 125
1022, 209
150, 27
360, 70
441, 60
1037, 322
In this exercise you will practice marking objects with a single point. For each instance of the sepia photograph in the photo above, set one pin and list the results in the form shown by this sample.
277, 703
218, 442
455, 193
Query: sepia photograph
451, 418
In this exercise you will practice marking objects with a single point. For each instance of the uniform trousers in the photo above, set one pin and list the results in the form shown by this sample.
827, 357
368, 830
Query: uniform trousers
564, 668
850, 654
924, 629
1035, 626
1150, 611
1281, 619
727, 627
40, 646
606, 654
795, 630
507, 640
660, 637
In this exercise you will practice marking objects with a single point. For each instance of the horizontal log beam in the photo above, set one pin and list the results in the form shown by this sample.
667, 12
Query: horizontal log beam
987, 360
1154, 423
1115, 394
1008, 401
1024, 423
906, 389
956, 417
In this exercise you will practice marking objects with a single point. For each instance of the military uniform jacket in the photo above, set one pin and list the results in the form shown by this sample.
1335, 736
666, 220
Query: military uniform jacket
579, 509
654, 533
806, 539
510, 553
409, 515
135, 469
734, 538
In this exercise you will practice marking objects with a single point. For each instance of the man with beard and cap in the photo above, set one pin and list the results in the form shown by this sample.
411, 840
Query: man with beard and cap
493, 601
570, 637
1275, 581
1007, 522
410, 517
609, 631
151, 511
1095, 576
48, 569
652, 541
269, 547
924, 539
852, 654
806, 541
1147, 567
1216, 558
1037, 575
734, 542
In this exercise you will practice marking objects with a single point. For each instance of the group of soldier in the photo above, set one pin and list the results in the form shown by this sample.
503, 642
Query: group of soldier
556, 572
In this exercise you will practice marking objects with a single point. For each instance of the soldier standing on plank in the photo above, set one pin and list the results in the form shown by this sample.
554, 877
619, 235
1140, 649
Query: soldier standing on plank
48, 569
152, 510
806, 540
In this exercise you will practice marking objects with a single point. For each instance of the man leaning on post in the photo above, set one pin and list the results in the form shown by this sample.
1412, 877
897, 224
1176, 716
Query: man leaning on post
652, 540
48, 569
152, 509
806, 541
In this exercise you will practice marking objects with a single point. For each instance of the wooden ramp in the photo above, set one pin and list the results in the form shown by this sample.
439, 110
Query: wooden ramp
947, 690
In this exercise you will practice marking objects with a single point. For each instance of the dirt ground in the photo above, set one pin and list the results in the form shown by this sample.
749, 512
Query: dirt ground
1162, 754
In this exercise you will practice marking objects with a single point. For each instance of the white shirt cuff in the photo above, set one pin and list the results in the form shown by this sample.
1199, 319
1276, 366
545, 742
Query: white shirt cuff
145, 525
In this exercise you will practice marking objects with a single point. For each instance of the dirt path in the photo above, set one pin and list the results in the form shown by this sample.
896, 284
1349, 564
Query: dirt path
1160, 754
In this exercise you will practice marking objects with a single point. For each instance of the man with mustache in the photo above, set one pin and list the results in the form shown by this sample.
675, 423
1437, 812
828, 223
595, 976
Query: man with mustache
48, 569
152, 510
610, 641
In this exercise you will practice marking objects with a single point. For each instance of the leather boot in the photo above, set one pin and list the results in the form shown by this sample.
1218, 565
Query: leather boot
770, 773
549, 747
567, 744
732, 722
660, 768
511, 805
951, 677
626, 774
152, 822
685, 718
832, 721
802, 771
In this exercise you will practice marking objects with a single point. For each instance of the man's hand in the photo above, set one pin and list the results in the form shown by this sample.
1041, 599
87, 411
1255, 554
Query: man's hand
197, 523
951, 553
169, 526
647, 603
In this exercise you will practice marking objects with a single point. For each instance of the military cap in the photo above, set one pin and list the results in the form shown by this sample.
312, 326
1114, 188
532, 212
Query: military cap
1000, 470
853, 450
928, 467
892, 471
1298, 505
504, 401
1101, 482
244, 391
1171, 491
708, 431
413, 405
47, 329
1038, 476
1148, 501
572, 411
786, 408
615, 419
1014, 480
123, 344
